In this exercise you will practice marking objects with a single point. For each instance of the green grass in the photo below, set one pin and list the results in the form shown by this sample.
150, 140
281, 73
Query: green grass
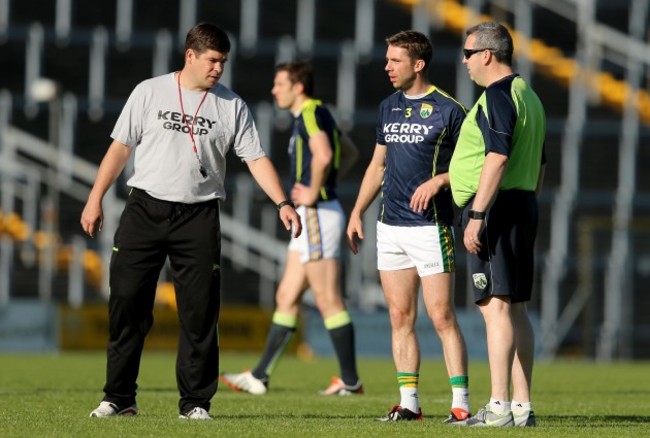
51, 396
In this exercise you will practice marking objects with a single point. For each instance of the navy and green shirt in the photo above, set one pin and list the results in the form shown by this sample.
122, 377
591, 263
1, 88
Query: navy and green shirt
420, 135
314, 117
507, 119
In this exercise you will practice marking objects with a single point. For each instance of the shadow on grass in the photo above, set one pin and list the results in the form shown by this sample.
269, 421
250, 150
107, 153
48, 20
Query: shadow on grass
592, 420
545, 421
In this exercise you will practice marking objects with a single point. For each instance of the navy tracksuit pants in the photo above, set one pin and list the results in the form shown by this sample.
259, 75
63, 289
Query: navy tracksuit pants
151, 230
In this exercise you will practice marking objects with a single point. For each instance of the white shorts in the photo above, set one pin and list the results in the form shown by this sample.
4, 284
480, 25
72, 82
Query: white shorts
322, 229
428, 248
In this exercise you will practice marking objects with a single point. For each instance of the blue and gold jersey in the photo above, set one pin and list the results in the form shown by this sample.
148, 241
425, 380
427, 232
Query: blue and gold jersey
420, 135
314, 117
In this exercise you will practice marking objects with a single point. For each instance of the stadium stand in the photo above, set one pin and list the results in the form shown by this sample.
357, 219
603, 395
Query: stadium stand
589, 60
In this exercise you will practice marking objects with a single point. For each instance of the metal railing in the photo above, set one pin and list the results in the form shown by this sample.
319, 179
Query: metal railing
595, 44
30, 165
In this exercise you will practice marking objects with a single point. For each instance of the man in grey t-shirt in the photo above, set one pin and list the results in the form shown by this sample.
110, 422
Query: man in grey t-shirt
180, 125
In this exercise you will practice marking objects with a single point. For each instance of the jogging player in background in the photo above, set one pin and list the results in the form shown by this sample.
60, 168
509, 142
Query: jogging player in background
319, 155
417, 129
180, 126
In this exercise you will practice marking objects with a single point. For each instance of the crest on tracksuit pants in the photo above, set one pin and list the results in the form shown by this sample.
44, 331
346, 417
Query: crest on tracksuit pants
480, 280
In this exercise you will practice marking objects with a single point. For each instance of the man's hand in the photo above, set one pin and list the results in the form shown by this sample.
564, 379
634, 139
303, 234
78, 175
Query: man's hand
303, 195
471, 237
424, 194
426, 191
354, 233
291, 220
92, 217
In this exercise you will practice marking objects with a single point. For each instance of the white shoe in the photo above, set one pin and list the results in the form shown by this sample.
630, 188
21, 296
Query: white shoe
196, 414
108, 409
244, 382
486, 417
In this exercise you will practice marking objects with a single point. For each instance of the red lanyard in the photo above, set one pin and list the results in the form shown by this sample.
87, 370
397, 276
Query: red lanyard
191, 128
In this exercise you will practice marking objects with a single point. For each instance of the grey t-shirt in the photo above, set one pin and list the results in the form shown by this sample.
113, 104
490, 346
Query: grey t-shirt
166, 166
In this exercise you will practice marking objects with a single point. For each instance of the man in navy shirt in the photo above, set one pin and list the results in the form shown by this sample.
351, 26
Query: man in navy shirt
417, 129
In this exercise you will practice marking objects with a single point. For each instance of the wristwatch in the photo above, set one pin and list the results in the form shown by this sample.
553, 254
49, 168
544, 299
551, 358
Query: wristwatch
286, 202
473, 214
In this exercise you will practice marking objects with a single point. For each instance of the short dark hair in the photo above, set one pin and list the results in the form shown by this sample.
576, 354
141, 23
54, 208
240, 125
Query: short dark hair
493, 36
300, 72
207, 36
416, 44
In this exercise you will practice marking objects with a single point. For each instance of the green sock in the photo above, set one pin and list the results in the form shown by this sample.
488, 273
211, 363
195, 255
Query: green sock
460, 392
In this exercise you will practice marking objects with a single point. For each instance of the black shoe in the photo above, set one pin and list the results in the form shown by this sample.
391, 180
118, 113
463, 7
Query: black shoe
399, 413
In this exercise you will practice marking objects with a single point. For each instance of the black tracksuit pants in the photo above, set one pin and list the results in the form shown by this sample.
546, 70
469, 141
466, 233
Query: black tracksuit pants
151, 230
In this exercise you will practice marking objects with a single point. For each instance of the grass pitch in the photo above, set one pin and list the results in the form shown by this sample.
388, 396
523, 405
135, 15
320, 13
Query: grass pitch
52, 395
